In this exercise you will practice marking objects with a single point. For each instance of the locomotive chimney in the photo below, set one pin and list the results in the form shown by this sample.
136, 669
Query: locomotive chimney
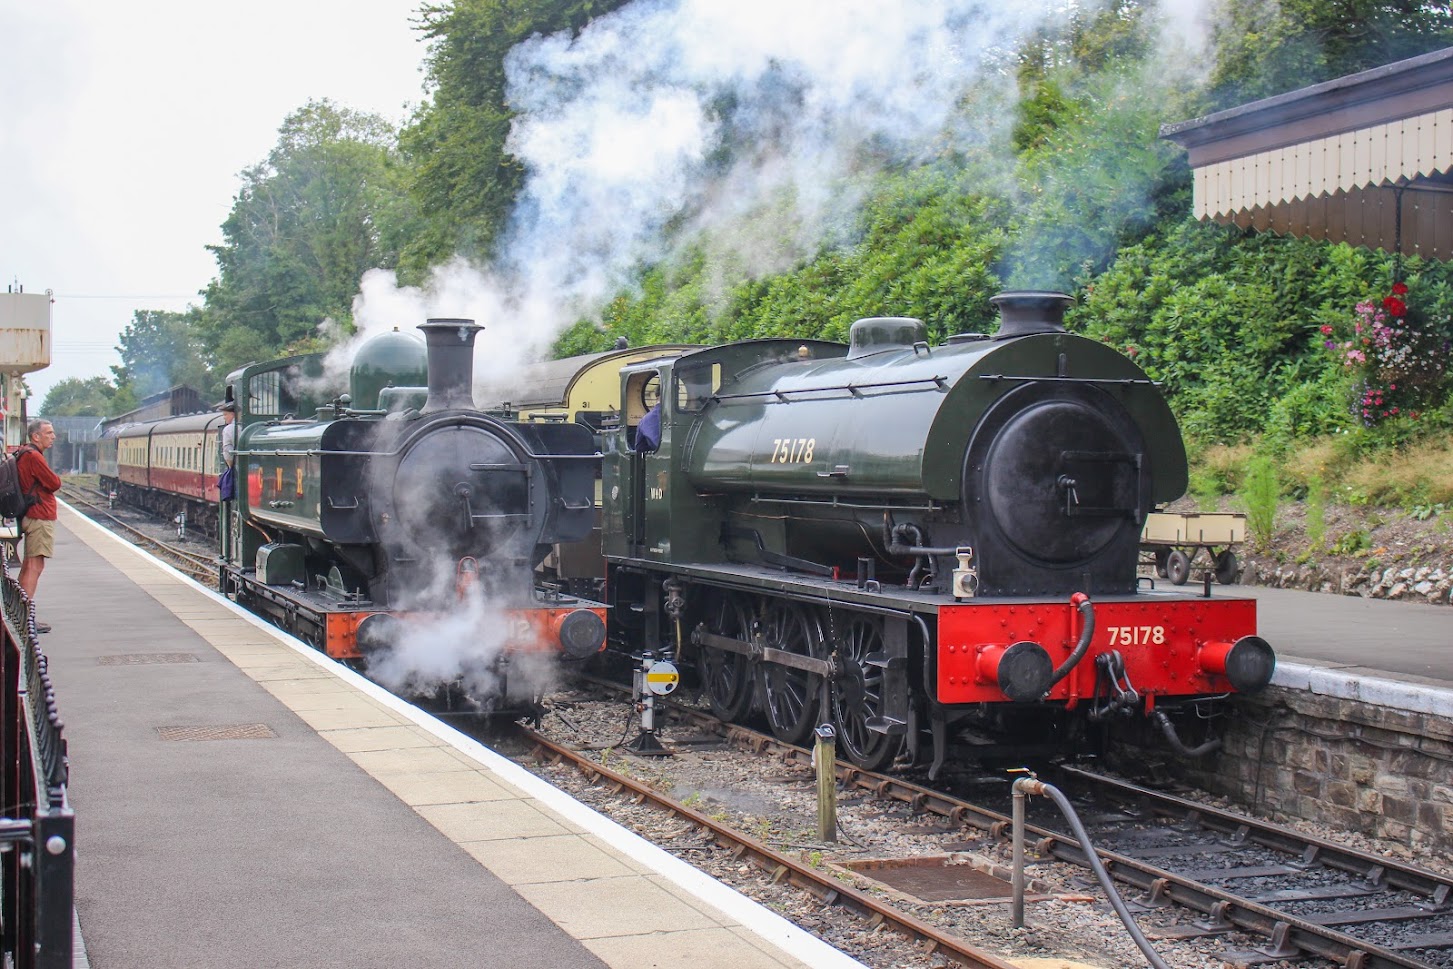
1026, 311
451, 364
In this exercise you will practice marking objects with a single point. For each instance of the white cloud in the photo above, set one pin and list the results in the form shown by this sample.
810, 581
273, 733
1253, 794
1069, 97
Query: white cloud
124, 128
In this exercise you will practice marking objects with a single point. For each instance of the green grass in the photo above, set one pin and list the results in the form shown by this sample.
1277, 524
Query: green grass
1416, 478
1261, 495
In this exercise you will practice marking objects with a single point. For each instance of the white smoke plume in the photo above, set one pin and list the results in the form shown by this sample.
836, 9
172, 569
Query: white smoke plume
460, 648
748, 123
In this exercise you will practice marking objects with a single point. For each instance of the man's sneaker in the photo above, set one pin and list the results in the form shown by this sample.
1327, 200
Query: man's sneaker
42, 627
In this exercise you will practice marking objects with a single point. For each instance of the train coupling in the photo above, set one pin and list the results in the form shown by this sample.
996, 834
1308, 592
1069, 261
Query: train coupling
1112, 679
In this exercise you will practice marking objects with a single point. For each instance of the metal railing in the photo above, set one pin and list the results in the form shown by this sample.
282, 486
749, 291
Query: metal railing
37, 825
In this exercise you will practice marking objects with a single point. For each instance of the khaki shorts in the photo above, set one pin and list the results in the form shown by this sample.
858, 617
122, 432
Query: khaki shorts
39, 537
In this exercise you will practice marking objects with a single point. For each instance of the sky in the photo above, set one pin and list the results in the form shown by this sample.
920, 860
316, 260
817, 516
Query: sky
123, 127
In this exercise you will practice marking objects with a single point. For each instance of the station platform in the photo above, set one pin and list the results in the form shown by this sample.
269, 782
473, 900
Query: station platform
1393, 654
242, 801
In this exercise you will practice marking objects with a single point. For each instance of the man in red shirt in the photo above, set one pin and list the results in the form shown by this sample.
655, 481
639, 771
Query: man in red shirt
38, 525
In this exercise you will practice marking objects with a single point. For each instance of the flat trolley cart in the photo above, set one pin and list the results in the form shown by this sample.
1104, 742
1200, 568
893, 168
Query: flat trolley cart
1175, 541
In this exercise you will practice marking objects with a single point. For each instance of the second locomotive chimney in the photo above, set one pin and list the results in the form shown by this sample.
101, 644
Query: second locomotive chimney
451, 364
1026, 311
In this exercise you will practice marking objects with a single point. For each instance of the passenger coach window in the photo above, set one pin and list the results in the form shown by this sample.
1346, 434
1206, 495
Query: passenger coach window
695, 385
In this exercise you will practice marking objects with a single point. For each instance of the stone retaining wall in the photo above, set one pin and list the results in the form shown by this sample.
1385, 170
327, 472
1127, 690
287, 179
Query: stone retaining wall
1360, 766
1429, 584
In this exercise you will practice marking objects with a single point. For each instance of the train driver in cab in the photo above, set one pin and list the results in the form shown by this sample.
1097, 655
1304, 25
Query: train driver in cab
644, 393
648, 432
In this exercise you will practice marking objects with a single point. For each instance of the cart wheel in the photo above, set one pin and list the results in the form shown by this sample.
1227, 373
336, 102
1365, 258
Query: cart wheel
1161, 555
1178, 566
1226, 567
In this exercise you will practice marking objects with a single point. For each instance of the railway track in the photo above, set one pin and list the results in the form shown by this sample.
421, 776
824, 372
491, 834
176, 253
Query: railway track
1305, 898
830, 890
1303, 894
203, 568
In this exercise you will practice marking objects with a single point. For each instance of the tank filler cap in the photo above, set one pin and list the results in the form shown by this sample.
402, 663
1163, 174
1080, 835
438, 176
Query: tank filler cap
879, 333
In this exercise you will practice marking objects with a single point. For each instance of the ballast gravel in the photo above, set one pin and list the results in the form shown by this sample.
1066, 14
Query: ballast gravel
1067, 917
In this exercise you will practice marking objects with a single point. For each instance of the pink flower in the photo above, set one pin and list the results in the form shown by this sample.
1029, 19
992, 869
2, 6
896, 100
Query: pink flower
1326, 329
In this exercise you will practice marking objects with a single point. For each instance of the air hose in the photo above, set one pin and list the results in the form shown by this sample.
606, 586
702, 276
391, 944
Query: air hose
1087, 609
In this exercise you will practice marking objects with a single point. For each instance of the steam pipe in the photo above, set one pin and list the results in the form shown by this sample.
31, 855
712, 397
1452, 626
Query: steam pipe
893, 547
1087, 609
915, 535
1032, 785
1169, 729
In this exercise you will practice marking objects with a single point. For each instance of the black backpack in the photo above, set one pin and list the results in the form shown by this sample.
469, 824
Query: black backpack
14, 503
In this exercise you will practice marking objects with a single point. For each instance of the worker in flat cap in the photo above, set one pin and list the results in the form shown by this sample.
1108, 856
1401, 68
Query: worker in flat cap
227, 480
228, 408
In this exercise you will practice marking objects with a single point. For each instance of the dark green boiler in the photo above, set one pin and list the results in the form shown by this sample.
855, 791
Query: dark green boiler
1039, 451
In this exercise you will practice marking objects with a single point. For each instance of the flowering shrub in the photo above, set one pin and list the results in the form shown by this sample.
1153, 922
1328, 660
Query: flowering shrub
1399, 366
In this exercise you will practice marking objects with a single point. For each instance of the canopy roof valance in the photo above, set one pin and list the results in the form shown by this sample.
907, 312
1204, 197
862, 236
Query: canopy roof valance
1365, 159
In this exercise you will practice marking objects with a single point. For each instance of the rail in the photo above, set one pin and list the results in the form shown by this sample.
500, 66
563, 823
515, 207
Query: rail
37, 829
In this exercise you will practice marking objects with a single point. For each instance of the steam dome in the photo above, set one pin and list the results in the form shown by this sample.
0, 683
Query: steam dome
391, 360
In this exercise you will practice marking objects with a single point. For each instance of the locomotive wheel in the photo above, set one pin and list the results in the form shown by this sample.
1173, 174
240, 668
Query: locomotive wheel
790, 695
726, 676
1178, 567
1226, 567
858, 696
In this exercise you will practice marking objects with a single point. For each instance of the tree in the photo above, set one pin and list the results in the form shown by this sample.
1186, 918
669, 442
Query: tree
74, 397
1264, 49
309, 221
463, 180
161, 349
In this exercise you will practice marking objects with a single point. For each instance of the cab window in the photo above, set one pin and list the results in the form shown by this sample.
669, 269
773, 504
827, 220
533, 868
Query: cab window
695, 384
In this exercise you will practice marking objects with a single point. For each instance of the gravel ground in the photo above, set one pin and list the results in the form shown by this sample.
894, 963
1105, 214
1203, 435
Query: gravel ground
1068, 918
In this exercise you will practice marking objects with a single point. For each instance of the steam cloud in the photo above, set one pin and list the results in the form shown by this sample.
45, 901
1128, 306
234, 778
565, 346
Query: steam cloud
748, 125
458, 648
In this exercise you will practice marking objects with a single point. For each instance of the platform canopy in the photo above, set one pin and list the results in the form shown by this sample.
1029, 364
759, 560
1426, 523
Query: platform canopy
1365, 159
